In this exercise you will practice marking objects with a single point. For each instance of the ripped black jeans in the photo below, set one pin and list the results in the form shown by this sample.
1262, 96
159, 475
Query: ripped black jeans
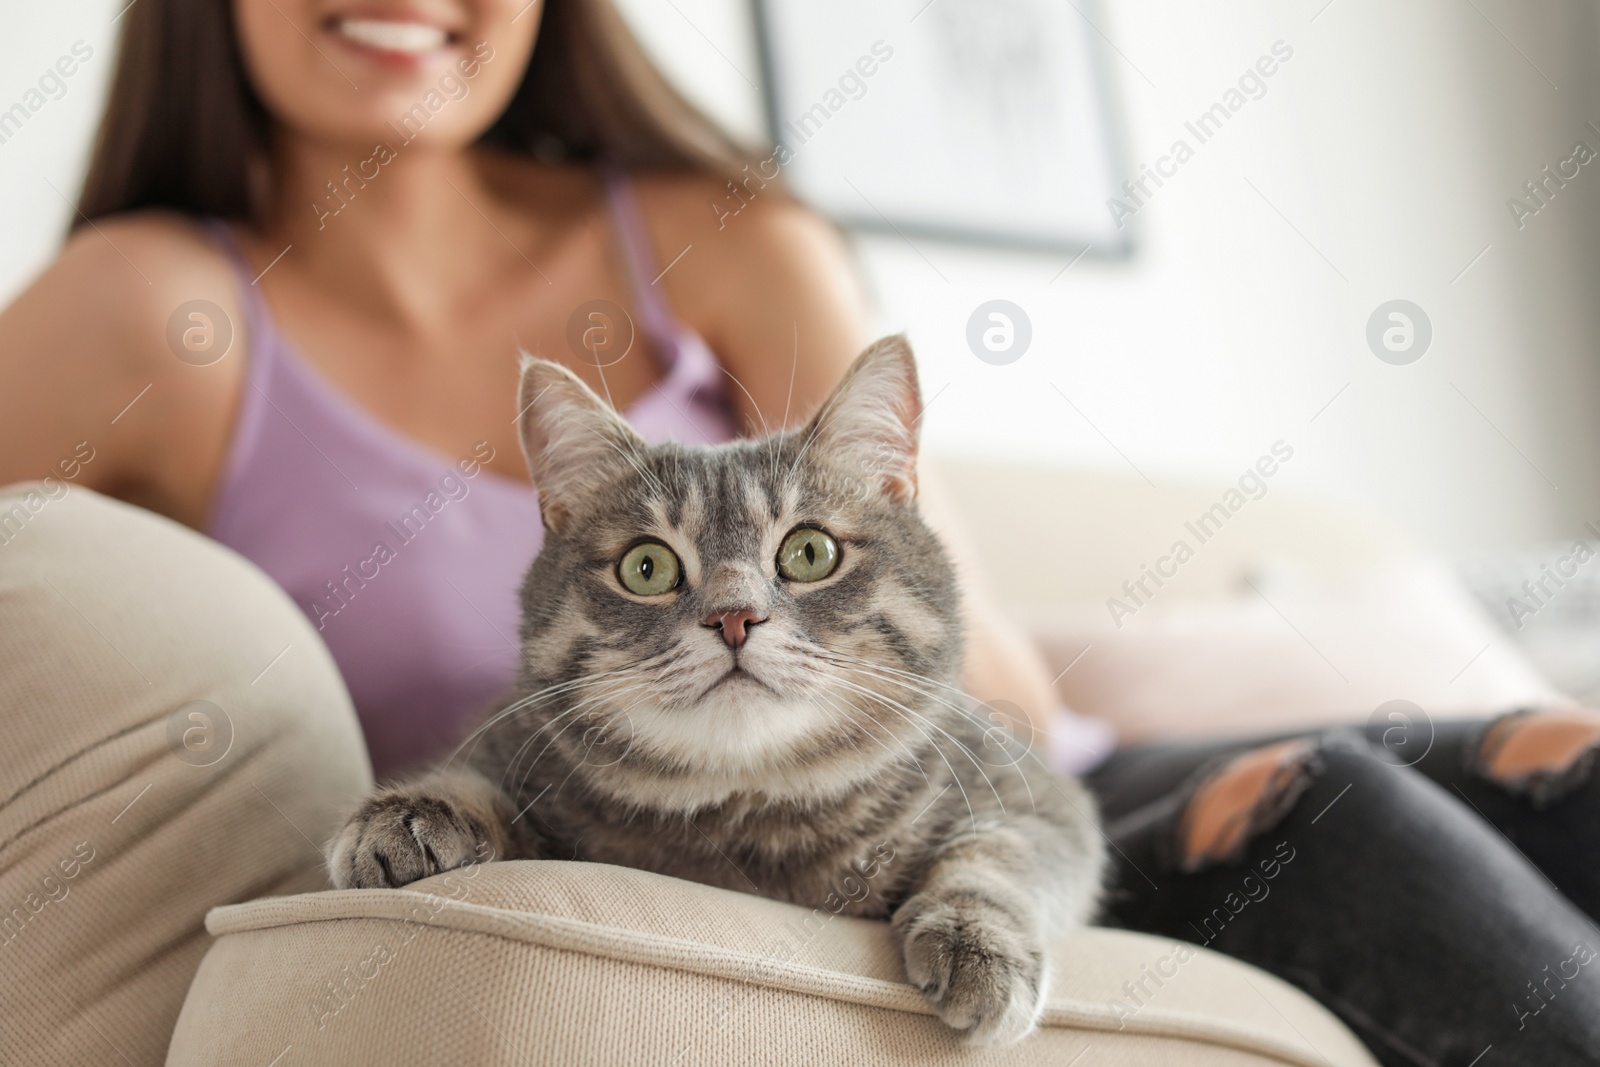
1447, 919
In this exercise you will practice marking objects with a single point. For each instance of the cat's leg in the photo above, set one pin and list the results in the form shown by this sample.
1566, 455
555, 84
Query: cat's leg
976, 931
444, 820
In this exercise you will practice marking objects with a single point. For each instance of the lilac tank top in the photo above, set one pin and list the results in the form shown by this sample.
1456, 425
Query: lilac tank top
407, 560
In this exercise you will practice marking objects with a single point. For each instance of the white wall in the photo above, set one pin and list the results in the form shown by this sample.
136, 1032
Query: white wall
52, 147
1390, 142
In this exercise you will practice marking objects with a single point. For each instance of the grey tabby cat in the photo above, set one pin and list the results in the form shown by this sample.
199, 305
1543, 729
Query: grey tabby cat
738, 670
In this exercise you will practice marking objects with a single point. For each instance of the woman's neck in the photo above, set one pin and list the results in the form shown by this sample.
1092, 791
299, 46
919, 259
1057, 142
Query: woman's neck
408, 225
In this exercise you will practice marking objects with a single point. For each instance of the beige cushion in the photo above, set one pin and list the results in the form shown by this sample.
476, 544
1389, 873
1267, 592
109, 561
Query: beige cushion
1298, 654
570, 963
115, 838
1056, 535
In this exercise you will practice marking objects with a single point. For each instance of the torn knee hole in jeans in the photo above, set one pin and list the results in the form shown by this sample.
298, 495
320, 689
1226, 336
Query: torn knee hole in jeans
1543, 755
1246, 796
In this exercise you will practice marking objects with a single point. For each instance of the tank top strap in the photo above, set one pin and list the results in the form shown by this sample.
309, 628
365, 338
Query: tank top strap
660, 325
257, 319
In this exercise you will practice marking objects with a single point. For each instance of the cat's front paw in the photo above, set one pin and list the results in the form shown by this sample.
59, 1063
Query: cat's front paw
984, 975
402, 835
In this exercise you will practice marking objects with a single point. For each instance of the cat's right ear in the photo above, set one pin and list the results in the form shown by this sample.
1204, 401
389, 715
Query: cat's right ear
570, 437
869, 424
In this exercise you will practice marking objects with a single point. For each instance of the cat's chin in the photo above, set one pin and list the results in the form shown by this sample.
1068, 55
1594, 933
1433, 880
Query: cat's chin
737, 725
736, 680
739, 737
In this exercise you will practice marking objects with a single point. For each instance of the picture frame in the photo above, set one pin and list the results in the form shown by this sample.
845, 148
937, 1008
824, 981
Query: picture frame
978, 121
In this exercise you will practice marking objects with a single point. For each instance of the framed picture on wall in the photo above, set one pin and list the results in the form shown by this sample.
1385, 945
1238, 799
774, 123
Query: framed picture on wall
977, 120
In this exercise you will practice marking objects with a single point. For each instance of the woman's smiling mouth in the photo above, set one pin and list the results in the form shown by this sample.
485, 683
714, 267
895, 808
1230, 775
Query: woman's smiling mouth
393, 38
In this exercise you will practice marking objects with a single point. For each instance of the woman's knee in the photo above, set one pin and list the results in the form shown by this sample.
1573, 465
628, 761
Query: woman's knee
1241, 799
1236, 802
1540, 754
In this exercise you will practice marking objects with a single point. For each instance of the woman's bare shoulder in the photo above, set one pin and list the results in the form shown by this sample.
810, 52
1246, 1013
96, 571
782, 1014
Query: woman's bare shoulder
771, 286
748, 213
148, 255
746, 244
124, 276
108, 321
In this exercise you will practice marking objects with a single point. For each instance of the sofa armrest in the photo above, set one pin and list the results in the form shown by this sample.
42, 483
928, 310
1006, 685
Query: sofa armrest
575, 963
175, 736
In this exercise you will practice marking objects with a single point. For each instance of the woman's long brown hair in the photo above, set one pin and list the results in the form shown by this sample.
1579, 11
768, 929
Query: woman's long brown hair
184, 130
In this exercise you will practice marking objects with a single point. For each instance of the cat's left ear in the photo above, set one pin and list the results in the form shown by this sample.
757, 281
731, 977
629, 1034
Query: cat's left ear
870, 422
571, 438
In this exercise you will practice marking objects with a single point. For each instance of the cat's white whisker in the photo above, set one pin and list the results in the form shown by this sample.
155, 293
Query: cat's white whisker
515, 760
912, 720
907, 679
516, 707
849, 708
976, 763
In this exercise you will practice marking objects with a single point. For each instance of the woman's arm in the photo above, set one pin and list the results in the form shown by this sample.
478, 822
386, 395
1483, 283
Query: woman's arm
777, 294
59, 382
1003, 663
90, 391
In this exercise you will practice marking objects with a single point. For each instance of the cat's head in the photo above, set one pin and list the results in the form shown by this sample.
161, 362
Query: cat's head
768, 614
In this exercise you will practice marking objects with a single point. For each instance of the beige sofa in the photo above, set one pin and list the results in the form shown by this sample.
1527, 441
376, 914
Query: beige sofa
176, 746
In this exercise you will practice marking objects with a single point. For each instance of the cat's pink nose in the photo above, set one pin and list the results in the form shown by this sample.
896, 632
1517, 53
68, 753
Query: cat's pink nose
734, 625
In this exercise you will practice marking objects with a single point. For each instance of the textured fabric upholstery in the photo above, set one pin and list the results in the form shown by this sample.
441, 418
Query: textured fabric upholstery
173, 736
574, 963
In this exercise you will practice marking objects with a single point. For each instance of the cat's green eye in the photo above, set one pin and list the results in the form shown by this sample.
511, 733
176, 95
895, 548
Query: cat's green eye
807, 555
649, 569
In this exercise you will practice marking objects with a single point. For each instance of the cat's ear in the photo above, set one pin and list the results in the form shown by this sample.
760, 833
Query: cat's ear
571, 438
870, 422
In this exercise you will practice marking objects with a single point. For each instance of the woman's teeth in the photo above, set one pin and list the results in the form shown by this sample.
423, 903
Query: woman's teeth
414, 38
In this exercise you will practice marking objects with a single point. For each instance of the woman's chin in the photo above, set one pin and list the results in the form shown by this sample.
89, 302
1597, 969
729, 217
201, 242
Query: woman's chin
375, 130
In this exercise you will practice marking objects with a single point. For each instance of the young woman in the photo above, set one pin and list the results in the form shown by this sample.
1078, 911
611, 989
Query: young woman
316, 235
312, 240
